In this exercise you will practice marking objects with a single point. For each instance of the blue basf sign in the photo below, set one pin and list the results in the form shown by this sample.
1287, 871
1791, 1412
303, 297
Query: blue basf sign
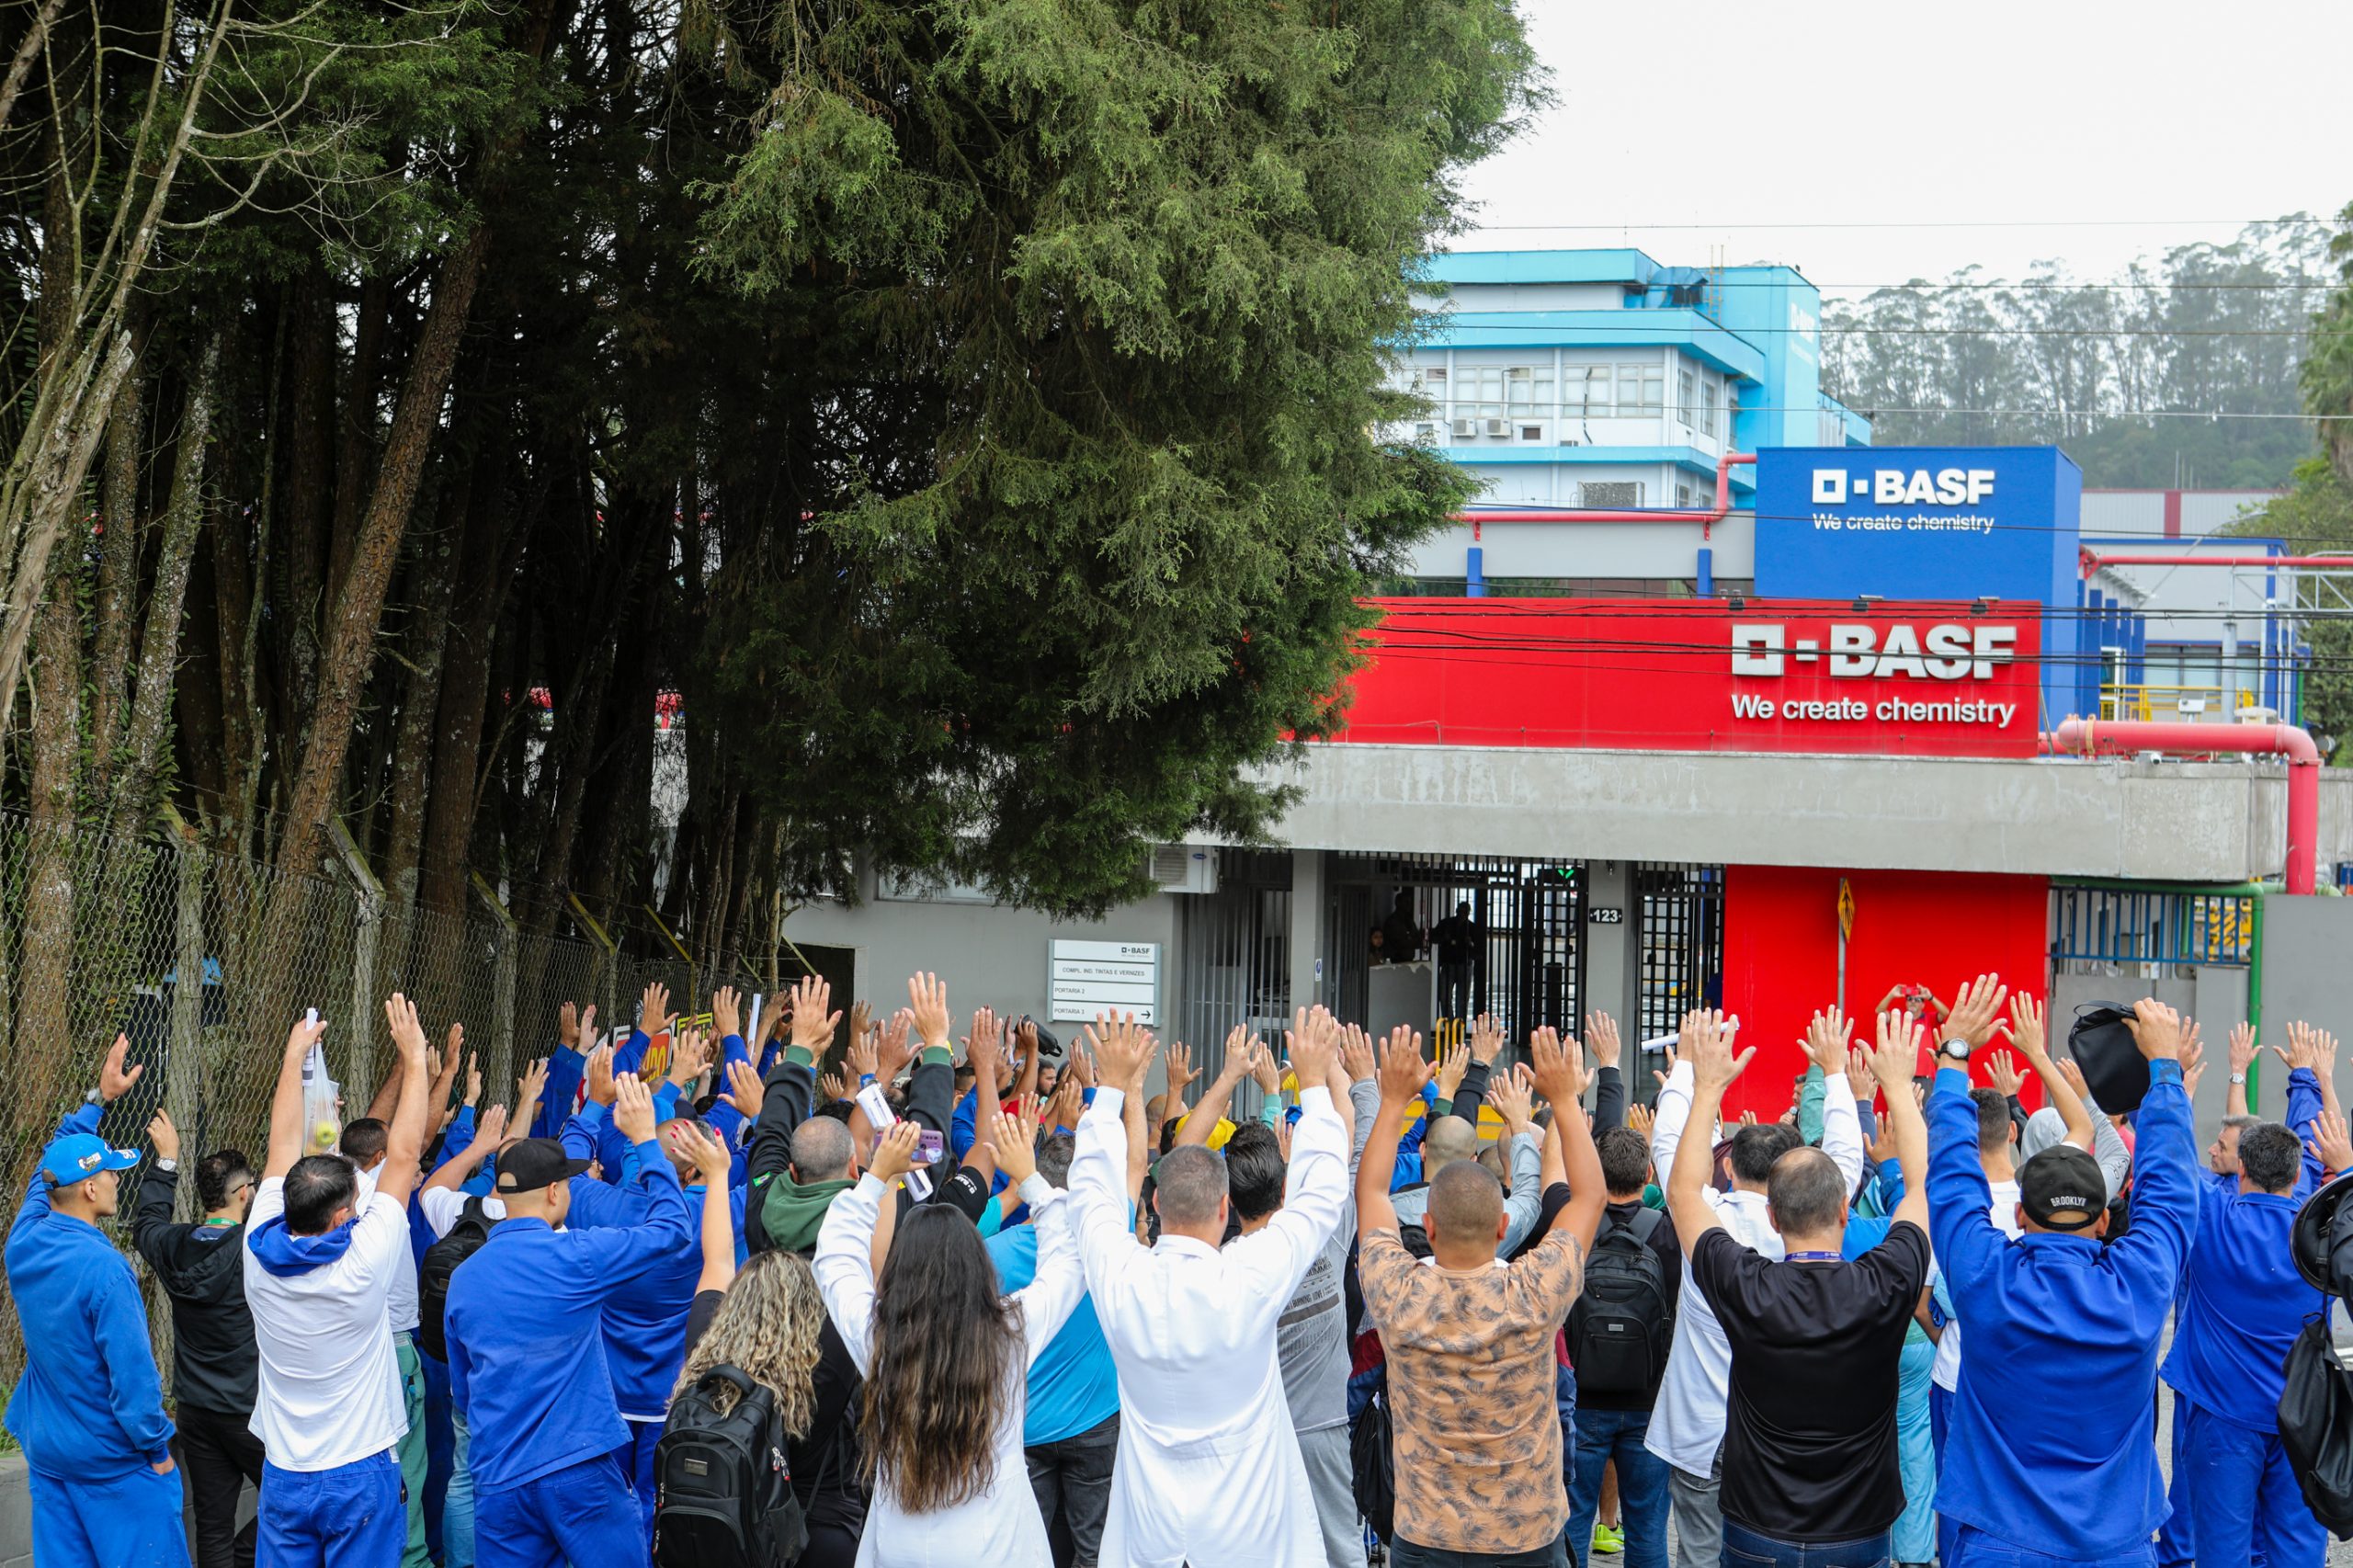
1927, 522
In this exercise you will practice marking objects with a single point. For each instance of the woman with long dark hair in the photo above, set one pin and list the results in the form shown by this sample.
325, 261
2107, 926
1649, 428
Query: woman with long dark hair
946, 1361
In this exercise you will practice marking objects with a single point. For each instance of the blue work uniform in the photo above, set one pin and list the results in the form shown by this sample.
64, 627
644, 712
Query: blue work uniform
2048, 1306
527, 1326
2243, 1303
89, 1411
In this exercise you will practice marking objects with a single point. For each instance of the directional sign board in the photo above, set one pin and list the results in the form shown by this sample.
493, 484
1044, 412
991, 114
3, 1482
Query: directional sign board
1085, 979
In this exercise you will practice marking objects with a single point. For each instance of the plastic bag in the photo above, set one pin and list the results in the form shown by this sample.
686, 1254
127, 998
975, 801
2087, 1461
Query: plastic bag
322, 1104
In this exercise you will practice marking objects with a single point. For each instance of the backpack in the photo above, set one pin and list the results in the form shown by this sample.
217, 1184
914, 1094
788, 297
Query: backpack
2317, 1425
1620, 1328
724, 1497
1372, 1464
434, 1269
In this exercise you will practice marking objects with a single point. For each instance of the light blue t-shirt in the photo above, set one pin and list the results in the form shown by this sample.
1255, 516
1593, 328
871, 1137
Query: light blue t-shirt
1073, 1387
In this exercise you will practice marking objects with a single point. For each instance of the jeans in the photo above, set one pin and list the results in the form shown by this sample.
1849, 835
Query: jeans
1332, 1482
586, 1515
1603, 1435
411, 1451
1746, 1548
132, 1521
1939, 1421
1698, 1520
458, 1503
1974, 1549
1403, 1553
635, 1459
2240, 1495
1072, 1476
439, 1444
2176, 1547
350, 1516
220, 1454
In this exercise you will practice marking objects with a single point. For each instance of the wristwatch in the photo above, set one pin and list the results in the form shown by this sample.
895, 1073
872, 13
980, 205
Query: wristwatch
1957, 1048
93, 1097
2238, 1077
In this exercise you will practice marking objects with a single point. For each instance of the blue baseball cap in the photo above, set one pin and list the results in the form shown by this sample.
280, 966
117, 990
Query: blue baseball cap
78, 1157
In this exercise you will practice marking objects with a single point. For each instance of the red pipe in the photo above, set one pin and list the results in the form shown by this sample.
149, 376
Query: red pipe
2089, 736
1706, 520
2092, 561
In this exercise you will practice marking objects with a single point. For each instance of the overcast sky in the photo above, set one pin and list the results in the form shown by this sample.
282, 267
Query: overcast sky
2090, 131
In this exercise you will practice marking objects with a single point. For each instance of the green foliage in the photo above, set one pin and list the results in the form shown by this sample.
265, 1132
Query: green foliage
2326, 374
1088, 304
2314, 519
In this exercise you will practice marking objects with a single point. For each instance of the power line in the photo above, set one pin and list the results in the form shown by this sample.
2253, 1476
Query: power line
2300, 217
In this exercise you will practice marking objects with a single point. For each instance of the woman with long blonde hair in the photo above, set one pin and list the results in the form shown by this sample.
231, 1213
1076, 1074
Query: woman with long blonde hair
946, 1360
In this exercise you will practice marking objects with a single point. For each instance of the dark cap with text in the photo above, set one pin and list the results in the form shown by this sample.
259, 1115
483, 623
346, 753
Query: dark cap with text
2063, 1188
536, 1163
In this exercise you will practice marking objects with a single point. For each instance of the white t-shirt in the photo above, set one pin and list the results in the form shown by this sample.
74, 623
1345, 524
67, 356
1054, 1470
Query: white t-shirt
330, 1387
442, 1205
1946, 1372
400, 1304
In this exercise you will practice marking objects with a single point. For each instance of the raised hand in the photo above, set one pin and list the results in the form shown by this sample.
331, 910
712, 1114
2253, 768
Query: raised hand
689, 1054
2073, 1071
633, 1109
2029, 1033
814, 1023
1976, 1012
2330, 1144
1556, 1069
164, 1135
1601, 1034
986, 1045
596, 1076
928, 998
2156, 1029
1510, 1094
533, 1083
838, 1085
744, 1091
1453, 1063
712, 1160
1858, 1073
1315, 1046
1709, 1044
1241, 1053
567, 1027
1264, 1072
1179, 1059
1642, 1119
1014, 1140
1825, 1040
1077, 1067
862, 1019
115, 1079
726, 1012
2002, 1072
2299, 1050
2244, 1050
896, 1048
1673, 1055
653, 1008
473, 1077
489, 1132
1897, 1052
1123, 1050
895, 1153
400, 1016
1402, 1071
1487, 1038
1356, 1055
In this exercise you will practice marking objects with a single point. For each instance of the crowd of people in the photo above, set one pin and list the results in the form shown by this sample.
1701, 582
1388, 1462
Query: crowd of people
889, 1295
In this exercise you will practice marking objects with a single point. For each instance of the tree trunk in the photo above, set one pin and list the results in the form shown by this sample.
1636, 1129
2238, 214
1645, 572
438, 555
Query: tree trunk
308, 472
159, 649
115, 609
355, 440
350, 649
43, 1042
420, 703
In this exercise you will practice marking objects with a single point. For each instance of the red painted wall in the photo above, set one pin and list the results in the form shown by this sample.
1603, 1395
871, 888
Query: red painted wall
1924, 927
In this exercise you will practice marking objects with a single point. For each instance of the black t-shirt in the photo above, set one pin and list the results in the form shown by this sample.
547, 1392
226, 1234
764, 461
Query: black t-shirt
1809, 1427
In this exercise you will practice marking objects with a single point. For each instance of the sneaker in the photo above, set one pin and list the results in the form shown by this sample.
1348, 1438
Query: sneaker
1607, 1542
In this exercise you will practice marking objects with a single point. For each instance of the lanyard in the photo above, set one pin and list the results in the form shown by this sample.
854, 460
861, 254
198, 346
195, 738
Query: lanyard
1811, 1257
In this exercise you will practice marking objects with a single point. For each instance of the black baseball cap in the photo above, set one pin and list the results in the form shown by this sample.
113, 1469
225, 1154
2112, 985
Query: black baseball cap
536, 1163
2063, 1188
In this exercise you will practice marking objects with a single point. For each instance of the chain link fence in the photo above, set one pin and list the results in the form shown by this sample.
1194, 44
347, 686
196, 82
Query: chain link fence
203, 961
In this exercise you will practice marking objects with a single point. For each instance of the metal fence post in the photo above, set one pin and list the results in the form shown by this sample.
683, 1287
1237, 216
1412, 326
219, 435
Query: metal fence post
367, 912
182, 1068
510, 942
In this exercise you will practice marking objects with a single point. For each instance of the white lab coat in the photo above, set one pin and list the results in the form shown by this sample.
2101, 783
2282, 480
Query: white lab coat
1002, 1525
1208, 1469
1688, 1423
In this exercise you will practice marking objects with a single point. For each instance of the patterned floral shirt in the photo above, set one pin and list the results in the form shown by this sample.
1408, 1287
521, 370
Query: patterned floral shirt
1471, 1380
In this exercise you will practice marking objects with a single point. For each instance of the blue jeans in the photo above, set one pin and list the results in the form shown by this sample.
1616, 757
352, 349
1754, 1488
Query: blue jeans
1974, 1549
438, 1444
585, 1515
636, 1461
1603, 1435
458, 1503
132, 1521
2238, 1493
1940, 1419
1403, 1553
350, 1516
1746, 1548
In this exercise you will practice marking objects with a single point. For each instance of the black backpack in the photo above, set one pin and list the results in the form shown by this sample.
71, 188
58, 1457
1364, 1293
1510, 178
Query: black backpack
434, 1269
1620, 1329
1373, 1464
725, 1496
2317, 1425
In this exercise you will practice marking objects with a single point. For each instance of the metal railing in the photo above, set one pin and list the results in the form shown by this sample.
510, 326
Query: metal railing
2168, 704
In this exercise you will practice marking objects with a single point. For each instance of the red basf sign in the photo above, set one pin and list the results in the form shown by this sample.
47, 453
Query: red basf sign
1919, 678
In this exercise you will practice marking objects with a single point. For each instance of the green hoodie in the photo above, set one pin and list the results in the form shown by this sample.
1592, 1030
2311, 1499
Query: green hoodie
790, 1212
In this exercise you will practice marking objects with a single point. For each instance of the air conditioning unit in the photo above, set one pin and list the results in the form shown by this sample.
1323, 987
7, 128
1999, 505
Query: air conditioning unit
1466, 427
1184, 867
1497, 426
1570, 442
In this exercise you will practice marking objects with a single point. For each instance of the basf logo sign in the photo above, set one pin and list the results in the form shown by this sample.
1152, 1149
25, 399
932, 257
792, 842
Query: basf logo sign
1897, 523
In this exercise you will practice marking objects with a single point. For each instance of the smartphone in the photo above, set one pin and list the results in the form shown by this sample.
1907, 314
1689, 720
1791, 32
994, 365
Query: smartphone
929, 1146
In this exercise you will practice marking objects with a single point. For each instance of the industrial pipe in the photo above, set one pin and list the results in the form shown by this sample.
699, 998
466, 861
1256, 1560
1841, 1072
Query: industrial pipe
2090, 736
1706, 520
2092, 561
